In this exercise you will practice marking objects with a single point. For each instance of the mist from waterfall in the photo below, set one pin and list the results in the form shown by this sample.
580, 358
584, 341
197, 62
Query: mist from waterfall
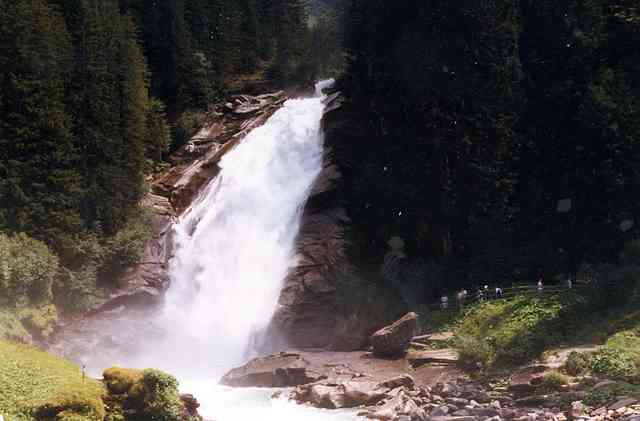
236, 243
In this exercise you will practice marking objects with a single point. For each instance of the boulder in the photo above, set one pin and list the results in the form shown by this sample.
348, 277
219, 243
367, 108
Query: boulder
393, 340
343, 395
404, 380
279, 370
189, 407
622, 403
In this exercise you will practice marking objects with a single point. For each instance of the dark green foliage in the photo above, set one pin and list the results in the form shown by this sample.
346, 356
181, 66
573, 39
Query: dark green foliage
27, 271
39, 180
478, 117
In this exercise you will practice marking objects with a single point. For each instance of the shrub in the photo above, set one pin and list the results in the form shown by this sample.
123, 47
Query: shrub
126, 247
619, 358
148, 394
162, 400
77, 290
609, 392
554, 380
39, 321
614, 364
577, 364
186, 127
27, 269
520, 329
473, 352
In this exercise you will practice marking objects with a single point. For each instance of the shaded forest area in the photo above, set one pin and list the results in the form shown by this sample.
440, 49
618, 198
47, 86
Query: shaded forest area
95, 94
502, 137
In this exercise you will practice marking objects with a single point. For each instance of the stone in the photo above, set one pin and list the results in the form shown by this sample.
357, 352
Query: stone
622, 403
439, 411
602, 384
536, 401
520, 384
344, 395
403, 380
361, 393
576, 410
461, 413
325, 397
449, 388
508, 413
279, 370
458, 401
484, 412
189, 407
393, 340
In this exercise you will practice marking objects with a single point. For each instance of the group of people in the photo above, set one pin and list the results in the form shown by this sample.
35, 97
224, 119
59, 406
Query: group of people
481, 294
485, 292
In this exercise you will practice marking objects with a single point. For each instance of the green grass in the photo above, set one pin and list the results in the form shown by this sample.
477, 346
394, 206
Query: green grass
38, 386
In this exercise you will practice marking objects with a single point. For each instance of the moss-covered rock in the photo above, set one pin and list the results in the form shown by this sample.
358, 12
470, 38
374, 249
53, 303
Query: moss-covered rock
136, 395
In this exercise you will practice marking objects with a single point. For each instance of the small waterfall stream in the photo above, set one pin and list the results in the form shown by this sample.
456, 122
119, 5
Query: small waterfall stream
234, 247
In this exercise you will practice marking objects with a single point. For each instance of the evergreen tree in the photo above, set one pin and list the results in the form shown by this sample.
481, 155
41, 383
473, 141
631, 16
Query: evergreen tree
39, 181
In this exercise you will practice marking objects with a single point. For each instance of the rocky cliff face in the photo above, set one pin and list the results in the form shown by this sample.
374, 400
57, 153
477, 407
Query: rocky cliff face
327, 302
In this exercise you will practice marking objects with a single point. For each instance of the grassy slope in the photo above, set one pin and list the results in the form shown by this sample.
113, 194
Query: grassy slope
34, 385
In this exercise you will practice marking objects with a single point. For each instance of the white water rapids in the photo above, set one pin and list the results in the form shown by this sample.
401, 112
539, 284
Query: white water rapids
234, 247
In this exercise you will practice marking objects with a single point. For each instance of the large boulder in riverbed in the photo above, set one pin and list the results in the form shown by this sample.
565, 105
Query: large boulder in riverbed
280, 370
393, 340
329, 395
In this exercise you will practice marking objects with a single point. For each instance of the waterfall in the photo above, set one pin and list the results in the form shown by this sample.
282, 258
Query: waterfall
236, 243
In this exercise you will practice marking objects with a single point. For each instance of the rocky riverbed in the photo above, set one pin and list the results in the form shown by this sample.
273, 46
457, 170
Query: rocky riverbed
387, 390
427, 384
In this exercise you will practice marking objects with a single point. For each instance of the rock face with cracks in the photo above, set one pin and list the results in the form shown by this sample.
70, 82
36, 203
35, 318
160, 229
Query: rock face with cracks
327, 301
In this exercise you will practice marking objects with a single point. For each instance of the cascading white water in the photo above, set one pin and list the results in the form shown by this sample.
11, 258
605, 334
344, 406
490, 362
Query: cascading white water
235, 245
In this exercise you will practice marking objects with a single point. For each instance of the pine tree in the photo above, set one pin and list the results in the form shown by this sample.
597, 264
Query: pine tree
39, 184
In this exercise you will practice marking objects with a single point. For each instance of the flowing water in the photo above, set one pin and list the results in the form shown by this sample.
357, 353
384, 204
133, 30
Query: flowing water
234, 247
